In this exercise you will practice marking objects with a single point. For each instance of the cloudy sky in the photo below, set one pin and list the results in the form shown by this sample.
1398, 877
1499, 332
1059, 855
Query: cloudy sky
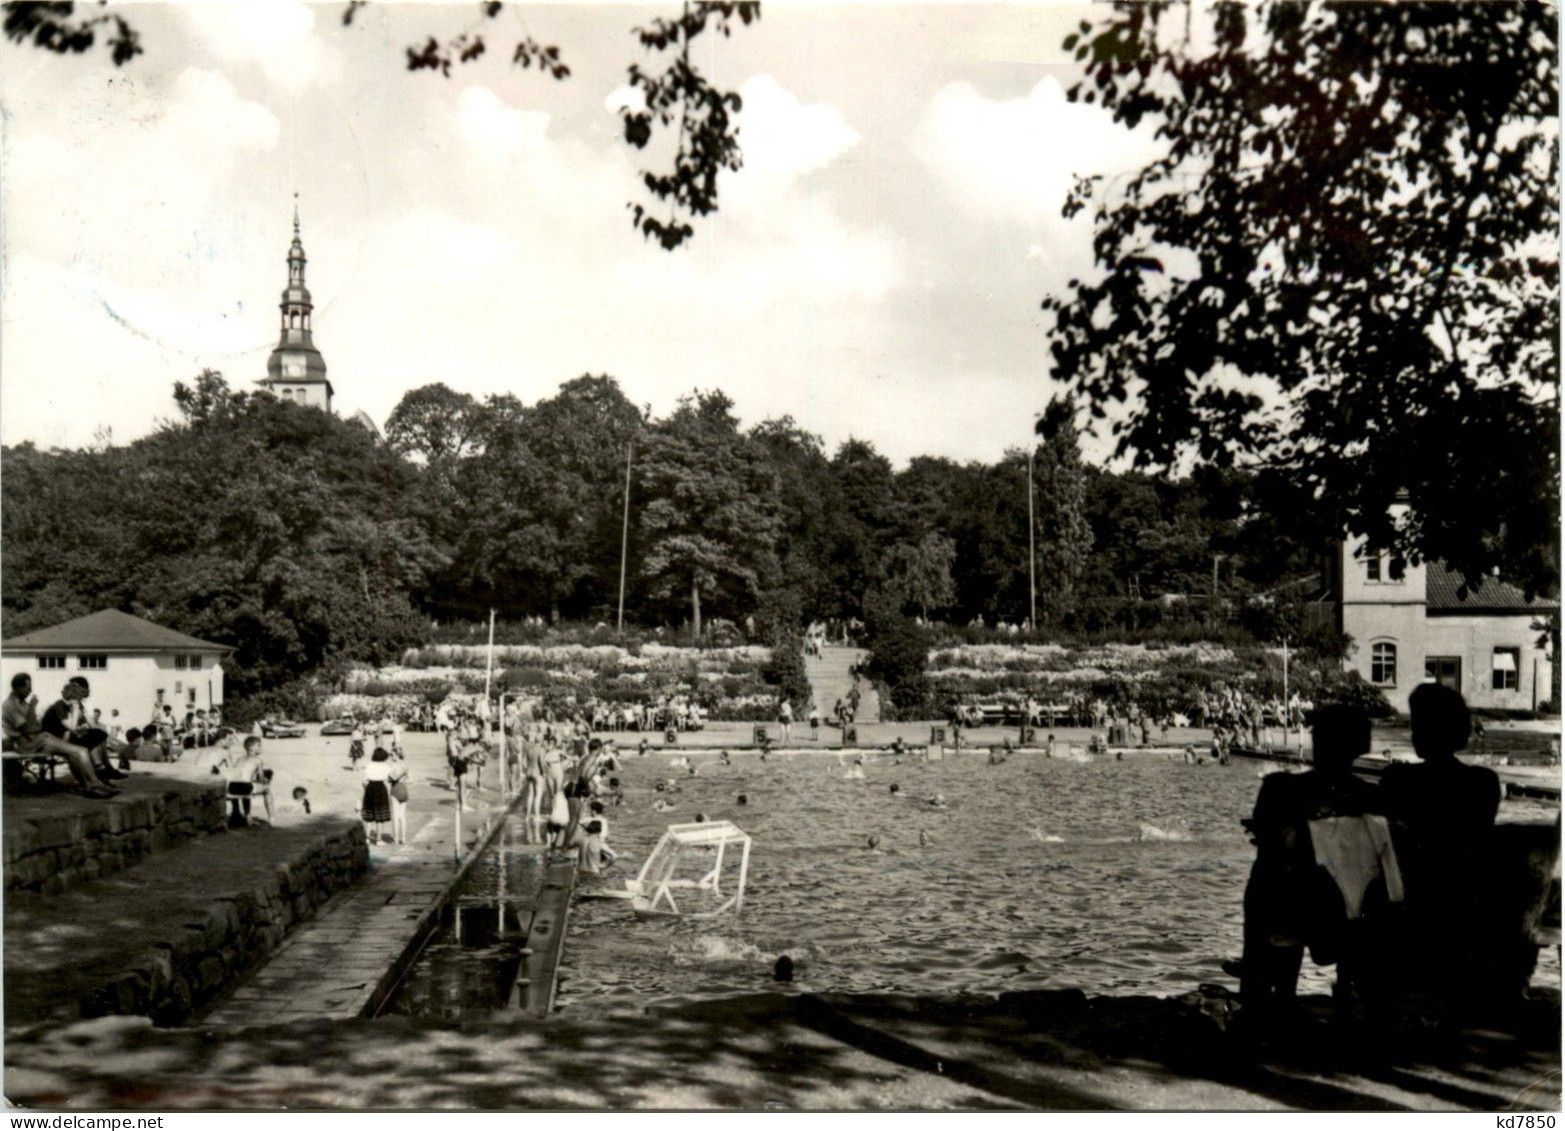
875, 270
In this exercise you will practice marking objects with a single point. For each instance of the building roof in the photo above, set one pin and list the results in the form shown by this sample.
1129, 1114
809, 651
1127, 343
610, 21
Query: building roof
109, 631
1493, 596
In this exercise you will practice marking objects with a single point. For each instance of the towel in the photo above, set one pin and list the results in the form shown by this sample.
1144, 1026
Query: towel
1354, 851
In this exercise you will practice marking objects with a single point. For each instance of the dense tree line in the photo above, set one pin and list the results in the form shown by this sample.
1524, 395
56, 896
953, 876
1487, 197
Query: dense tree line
304, 539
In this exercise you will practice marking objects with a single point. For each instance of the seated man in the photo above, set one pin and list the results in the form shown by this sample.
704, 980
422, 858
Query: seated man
25, 735
247, 776
1290, 899
66, 719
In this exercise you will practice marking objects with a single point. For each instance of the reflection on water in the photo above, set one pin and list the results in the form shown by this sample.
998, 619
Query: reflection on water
470, 965
1109, 876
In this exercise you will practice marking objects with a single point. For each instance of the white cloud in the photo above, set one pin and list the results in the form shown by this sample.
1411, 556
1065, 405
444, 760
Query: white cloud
783, 139
278, 36
1015, 159
492, 128
777, 242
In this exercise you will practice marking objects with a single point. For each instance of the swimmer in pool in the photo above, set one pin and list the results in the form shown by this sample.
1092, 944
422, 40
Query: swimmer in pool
924, 839
873, 842
938, 801
725, 759
895, 789
741, 800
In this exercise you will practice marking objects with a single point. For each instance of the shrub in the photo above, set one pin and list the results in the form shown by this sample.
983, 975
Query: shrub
785, 670
525, 678
898, 655
1351, 689
298, 700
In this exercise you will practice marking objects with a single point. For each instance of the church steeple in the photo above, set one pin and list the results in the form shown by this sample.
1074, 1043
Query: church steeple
296, 370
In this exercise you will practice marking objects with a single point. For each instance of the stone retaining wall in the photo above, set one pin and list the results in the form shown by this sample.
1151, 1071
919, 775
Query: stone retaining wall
200, 958
51, 852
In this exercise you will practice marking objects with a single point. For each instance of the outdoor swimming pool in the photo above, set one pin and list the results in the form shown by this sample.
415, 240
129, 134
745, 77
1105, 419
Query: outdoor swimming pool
1108, 876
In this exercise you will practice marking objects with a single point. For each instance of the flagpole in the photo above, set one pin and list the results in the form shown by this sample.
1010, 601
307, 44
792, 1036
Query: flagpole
1032, 551
624, 536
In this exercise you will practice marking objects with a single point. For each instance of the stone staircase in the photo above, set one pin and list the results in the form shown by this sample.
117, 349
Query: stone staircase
830, 680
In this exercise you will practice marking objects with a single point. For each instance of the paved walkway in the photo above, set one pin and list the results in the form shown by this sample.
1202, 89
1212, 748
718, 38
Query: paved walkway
830, 680
1052, 1050
343, 961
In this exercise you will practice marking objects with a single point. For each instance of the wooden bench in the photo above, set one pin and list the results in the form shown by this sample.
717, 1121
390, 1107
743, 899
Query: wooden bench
30, 769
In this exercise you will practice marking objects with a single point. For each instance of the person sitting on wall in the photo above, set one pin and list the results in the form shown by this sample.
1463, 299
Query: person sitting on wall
66, 719
25, 735
1313, 873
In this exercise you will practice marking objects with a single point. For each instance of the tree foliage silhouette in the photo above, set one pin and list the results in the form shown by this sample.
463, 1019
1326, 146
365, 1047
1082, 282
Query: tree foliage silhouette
1342, 265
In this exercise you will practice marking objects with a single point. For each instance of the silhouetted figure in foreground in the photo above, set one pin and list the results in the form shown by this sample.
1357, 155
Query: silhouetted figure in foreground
1440, 808
1442, 815
1294, 897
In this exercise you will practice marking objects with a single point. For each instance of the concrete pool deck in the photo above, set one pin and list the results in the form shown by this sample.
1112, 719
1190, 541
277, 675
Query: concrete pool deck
1043, 1050
117, 944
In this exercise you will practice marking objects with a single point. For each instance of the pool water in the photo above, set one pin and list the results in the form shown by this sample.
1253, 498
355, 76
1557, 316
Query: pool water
470, 965
1111, 876
1108, 876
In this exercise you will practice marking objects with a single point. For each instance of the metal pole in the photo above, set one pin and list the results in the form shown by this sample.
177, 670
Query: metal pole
505, 755
459, 818
624, 536
1286, 713
488, 670
1032, 552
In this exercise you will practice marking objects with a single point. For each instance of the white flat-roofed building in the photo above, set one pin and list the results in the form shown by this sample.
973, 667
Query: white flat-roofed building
130, 664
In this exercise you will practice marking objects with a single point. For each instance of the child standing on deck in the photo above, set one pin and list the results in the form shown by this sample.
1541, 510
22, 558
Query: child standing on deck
397, 781
376, 809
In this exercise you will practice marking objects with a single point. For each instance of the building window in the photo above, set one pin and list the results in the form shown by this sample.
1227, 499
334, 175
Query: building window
1383, 665
1444, 670
1507, 661
92, 663
1372, 568
51, 663
1397, 569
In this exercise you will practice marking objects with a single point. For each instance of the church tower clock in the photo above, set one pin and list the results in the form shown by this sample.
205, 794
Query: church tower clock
296, 371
